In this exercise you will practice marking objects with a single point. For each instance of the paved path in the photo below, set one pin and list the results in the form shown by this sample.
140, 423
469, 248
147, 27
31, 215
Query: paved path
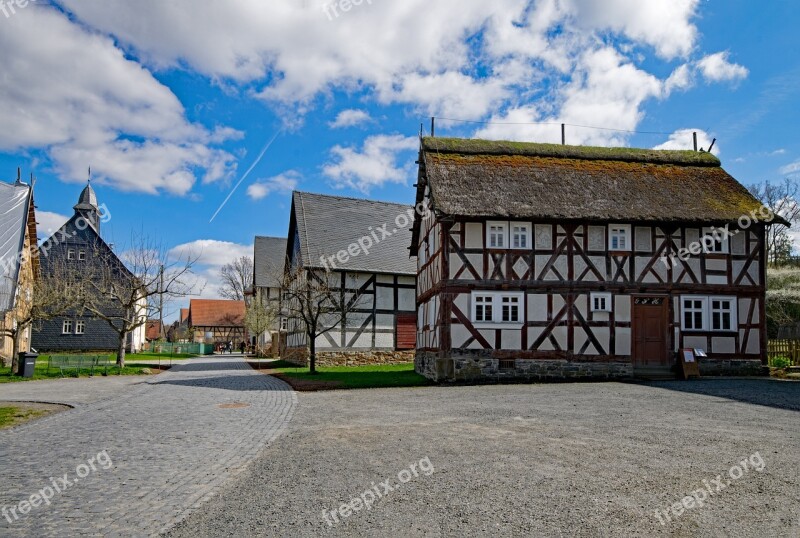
172, 442
71, 391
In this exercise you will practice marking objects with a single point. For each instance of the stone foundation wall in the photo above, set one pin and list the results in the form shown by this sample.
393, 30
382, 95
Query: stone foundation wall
482, 366
476, 367
352, 357
731, 367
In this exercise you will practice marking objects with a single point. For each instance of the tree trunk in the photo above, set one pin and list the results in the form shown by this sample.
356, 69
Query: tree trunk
121, 350
312, 355
15, 350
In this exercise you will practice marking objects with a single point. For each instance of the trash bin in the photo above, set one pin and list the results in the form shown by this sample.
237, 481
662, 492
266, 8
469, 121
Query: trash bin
27, 364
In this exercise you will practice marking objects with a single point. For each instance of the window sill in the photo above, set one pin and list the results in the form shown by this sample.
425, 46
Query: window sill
482, 325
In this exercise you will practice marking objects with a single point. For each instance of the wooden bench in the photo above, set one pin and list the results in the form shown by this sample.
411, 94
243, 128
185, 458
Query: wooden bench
78, 363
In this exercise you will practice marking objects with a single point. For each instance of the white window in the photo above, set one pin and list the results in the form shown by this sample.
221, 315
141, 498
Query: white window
600, 302
708, 313
497, 307
715, 240
80, 327
81, 255
693, 313
483, 308
723, 313
496, 235
284, 324
66, 327
510, 304
520, 236
71, 254
619, 237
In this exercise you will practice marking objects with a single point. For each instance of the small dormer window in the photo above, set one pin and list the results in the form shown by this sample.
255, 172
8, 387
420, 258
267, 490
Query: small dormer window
496, 233
71, 254
81, 255
619, 237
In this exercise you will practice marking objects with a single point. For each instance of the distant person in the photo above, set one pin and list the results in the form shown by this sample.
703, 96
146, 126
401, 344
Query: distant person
242, 347
230, 347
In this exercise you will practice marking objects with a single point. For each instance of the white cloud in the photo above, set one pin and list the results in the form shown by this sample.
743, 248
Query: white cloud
373, 165
282, 183
74, 93
717, 68
292, 52
683, 139
680, 79
49, 223
350, 118
606, 90
211, 255
790, 169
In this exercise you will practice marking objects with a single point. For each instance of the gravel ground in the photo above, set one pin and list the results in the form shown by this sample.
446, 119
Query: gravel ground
526, 460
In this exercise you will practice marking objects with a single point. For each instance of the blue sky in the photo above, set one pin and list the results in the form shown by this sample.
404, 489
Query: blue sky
171, 103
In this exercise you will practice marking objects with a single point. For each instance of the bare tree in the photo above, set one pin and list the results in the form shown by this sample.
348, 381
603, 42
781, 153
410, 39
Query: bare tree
51, 295
316, 299
260, 316
781, 198
125, 294
237, 278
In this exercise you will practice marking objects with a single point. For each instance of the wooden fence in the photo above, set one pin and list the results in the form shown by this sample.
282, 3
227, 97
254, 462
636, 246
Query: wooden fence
789, 349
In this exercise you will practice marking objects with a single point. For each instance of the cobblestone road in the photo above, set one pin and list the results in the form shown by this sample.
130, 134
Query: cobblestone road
172, 441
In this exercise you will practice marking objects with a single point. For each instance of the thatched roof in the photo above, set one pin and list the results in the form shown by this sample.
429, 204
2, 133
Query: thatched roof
478, 178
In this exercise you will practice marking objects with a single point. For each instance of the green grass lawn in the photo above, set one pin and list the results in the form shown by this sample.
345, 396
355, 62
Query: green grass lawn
41, 371
355, 377
10, 416
138, 357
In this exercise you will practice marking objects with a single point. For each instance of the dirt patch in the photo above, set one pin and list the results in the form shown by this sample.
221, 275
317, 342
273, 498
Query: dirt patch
17, 413
300, 385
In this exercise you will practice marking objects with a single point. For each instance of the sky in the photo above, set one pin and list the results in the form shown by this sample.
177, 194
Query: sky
198, 118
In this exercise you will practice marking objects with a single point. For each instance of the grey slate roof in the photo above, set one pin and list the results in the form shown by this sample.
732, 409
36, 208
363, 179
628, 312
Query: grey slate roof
14, 203
87, 199
329, 224
269, 256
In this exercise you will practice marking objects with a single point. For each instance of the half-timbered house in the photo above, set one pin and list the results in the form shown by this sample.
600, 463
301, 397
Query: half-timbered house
541, 261
363, 246
215, 321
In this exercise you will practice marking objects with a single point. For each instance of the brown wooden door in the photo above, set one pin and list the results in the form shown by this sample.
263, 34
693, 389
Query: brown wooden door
650, 338
406, 332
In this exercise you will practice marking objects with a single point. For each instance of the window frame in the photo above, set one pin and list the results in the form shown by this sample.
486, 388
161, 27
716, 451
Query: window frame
81, 255
708, 313
734, 315
70, 254
80, 327
67, 326
496, 303
527, 235
605, 296
724, 243
627, 228
490, 233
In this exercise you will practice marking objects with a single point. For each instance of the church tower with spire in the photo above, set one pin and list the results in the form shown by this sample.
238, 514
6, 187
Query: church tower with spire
87, 207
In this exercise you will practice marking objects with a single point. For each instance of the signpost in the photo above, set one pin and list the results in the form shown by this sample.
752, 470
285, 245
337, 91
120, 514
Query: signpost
688, 361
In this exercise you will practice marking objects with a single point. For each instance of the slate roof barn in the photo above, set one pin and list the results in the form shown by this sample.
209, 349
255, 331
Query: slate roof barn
323, 233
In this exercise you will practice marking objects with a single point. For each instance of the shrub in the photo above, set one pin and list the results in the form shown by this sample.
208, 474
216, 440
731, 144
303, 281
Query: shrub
781, 362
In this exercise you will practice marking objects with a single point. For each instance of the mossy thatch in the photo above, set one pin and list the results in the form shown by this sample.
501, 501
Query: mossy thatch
491, 147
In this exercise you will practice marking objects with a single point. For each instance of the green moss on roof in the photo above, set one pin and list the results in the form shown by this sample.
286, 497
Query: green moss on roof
489, 147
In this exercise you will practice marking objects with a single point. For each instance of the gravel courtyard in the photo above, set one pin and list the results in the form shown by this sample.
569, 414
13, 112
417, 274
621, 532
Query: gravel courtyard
525, 460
